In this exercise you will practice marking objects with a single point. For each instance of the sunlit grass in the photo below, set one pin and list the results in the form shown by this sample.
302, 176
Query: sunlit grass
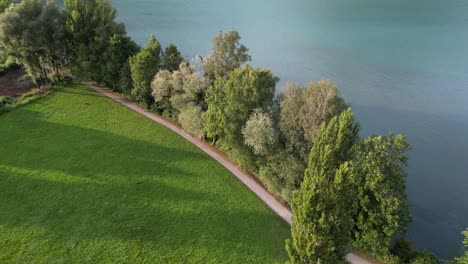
85, 180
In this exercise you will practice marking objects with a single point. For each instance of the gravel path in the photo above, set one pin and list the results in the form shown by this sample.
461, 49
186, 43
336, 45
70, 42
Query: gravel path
243, 176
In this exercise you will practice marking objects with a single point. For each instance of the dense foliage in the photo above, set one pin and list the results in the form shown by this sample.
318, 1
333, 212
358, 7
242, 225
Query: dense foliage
228, 54
303, 110
144, 66
32, 33
4, 5
116, 56
180, 95
90, 26
405, 253
171, 58
381, 192
231, 101
323, 207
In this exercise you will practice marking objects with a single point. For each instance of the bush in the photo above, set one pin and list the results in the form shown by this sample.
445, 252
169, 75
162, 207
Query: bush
7, 64
5, 102
192, 121
403, 249
424, 257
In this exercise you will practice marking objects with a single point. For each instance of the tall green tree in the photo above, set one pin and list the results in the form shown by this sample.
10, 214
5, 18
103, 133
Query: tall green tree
228, 53
381, 189
144, 66
121, 48
324, 205
32, 33
90, 26
231, 101
171, 58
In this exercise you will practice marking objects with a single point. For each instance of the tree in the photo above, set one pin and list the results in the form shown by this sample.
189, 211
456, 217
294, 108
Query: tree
4, 5
120, 49
171, 58
144, 66
381, 189
32, 33
303, 110
227, 55
260, 133
282, 173
323, 206
192, 121
231, 101
125, 79
177, 91
90, 26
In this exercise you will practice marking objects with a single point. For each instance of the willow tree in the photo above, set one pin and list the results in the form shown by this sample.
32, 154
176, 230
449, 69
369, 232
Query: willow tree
323, 207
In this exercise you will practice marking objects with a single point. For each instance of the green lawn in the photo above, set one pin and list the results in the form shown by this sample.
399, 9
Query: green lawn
85, 180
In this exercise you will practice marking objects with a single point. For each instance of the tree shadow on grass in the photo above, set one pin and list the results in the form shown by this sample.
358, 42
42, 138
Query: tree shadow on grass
125, 190
91, 153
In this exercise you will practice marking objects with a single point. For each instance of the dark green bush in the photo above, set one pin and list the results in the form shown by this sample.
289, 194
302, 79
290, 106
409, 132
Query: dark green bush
5, 102
403, 249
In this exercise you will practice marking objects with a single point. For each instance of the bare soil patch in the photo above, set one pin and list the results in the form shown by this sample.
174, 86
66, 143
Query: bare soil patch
10, 86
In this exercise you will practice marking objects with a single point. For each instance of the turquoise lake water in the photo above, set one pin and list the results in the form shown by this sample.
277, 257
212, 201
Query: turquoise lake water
403, 65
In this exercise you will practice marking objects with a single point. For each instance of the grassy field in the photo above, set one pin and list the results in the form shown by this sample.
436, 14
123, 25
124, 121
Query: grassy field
85, 180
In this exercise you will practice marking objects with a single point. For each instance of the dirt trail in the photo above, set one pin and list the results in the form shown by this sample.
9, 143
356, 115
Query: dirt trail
243, 176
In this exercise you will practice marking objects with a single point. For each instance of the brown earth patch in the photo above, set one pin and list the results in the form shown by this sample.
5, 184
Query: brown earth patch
10, 86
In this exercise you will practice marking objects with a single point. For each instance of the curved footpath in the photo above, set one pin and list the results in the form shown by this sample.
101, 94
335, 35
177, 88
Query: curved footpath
243, 176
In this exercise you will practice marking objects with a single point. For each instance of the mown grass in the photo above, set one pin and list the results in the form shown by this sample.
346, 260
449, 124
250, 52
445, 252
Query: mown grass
85, 180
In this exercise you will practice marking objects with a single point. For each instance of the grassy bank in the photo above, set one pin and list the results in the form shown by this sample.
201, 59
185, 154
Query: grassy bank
84, 179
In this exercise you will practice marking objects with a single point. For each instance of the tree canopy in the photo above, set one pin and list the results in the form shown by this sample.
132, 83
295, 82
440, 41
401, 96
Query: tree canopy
303, 110
144, 66
4, 5
120, 49
381, 190
231, 101
260, 133
171, 58
180, 95
32, 33
227, 54
90, 26
322, 208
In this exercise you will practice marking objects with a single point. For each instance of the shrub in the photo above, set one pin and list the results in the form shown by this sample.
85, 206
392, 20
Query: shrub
403, 249
5, 102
